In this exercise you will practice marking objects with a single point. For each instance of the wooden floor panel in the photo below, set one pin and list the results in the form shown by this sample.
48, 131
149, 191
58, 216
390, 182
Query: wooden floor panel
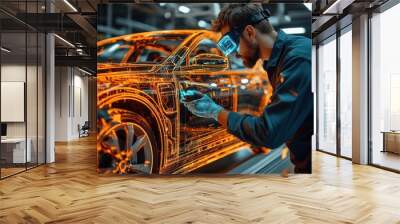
70, 191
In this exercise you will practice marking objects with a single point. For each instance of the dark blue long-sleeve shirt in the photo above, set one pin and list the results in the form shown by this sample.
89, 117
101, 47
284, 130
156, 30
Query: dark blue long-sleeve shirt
288, 118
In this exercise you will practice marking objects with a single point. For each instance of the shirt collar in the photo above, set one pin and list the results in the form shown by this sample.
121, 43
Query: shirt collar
276, 50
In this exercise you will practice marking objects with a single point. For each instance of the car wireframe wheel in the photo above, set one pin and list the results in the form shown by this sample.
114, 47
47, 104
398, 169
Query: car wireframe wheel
142, 151
129, 140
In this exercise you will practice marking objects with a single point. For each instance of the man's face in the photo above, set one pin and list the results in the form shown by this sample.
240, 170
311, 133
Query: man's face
249, 50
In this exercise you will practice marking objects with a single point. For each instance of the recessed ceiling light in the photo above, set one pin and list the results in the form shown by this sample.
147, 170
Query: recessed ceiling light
167, 15
70, 5
308, 6
86, 72
202, 23
334, 7
5, 49
184, 9
294, 30
65, 41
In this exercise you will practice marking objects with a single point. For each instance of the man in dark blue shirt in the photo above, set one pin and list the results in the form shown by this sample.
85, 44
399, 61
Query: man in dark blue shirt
288, 118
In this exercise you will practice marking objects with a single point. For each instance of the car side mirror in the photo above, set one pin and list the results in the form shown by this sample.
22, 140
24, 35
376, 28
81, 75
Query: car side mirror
210, 61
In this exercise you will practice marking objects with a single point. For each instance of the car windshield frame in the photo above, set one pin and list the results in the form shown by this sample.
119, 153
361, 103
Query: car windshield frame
134, 46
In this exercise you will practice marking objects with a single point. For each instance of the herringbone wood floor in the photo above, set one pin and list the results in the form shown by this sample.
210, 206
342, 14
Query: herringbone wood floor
70, 191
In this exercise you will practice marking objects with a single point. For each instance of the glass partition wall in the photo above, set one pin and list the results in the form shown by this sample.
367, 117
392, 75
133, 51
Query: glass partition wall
334, 94
22, 88
335, 125
326, 107
345, 61
385, 90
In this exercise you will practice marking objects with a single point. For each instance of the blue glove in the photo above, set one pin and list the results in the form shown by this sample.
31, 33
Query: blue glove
204, 106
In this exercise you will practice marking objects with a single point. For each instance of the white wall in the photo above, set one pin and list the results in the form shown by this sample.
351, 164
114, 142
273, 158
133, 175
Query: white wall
33, 127
13, 73
80, 110
71, 102
61, 103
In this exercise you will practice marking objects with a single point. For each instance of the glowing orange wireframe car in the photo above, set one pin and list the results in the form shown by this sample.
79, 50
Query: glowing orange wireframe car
142, 127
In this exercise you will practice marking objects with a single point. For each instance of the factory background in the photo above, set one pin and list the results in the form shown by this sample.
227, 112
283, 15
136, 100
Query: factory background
116, 20
120, 19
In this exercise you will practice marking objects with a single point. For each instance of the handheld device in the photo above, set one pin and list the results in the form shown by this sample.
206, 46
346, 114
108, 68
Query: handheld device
192, 96
195, 90
230, 41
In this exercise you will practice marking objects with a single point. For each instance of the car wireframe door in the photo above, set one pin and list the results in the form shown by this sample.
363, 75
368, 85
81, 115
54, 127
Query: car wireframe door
135, 96
203, 72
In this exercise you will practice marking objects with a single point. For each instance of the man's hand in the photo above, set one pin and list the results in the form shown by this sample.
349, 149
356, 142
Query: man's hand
203, 106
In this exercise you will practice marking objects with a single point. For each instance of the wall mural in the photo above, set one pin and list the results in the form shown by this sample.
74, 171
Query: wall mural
143, 126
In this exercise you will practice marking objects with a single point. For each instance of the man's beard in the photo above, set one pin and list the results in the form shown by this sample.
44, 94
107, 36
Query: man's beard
254, 56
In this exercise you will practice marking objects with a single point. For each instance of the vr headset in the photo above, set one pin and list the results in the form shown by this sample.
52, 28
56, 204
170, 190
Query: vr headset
230, 41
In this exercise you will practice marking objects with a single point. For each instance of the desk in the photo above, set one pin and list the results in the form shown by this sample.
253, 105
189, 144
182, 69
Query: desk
13, 150
391, 141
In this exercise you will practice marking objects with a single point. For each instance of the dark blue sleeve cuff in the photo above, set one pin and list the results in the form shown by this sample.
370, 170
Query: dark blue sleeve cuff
234, 119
